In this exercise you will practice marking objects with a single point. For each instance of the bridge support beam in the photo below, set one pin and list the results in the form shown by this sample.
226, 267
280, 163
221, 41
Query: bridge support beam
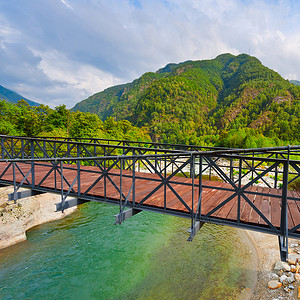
122, 216
61, 206
23, 194
193, 230
283, 247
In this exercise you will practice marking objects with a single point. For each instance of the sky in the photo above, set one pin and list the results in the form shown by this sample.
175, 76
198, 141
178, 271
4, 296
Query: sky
62, 51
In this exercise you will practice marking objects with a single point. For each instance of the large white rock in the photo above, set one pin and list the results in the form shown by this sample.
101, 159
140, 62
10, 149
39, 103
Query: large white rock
16, 219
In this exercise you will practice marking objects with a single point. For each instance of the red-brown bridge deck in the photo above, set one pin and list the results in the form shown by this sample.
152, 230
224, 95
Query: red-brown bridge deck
269, 205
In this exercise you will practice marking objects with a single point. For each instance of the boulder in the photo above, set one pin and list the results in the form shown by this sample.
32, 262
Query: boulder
293, 268
297, 277
291, 261
274, 284
279, 265
291, 287
290, 279
274, 276
286, 267
283, 278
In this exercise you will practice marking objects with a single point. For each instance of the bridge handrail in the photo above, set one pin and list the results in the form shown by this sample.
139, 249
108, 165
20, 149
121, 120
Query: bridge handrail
90, 144
216, 150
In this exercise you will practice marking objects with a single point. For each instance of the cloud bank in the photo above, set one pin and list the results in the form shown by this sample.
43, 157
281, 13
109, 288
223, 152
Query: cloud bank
60, 52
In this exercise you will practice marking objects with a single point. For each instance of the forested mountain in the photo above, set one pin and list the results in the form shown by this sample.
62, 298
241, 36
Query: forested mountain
11, 96
228, 101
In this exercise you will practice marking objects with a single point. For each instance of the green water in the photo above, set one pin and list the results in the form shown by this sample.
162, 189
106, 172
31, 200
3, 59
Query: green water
84, 256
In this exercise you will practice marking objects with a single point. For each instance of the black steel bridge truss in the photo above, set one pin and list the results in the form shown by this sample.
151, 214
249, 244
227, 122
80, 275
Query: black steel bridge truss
274, 168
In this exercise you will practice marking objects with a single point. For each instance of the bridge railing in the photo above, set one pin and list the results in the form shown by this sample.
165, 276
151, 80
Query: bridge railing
24, 147
144, 144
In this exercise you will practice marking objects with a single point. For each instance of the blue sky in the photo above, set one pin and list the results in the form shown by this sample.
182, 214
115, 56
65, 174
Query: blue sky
62, 51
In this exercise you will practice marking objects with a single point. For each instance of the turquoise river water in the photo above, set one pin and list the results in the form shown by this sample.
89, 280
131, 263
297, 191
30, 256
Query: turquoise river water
85, 256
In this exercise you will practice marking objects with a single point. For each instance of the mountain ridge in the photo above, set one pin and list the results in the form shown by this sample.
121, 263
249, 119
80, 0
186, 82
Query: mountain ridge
193, 101
14, 97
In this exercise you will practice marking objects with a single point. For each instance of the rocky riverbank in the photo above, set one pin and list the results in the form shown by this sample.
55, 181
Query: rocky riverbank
275, 279
17, 218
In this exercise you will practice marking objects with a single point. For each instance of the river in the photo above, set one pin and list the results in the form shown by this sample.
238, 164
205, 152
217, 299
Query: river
85, 256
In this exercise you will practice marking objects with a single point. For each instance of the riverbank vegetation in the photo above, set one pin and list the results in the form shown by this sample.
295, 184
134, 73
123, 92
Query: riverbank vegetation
24, 120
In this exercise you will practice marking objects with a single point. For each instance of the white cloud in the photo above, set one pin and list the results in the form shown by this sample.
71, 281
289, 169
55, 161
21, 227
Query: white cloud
57, 67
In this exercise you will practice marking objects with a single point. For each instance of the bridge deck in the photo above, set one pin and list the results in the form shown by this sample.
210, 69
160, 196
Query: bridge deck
213, 193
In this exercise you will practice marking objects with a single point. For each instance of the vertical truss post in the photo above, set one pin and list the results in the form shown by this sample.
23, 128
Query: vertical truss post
283, 238
196, 221
155, 159
165, 182
22, 149
239, 193
105, 192
78, 171
122, 160
192, 174
121, 184
32, 164
54, 150
15, 182
172, 164
200, 186
231, 169
62, 184
209, 170
133, 179
68, 150
12, 147
276, 173
44, 149
55, 175
2, 147
252, 165
95, 154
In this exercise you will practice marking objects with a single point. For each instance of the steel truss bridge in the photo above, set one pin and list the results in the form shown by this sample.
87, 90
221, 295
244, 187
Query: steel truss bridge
245, 188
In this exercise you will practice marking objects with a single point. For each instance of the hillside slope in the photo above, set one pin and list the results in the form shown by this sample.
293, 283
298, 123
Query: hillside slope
200, 101
13, 97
